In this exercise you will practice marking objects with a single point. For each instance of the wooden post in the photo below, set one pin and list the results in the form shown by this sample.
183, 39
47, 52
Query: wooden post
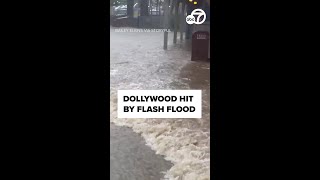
150, 9
166, 23
172, 6
176, 20
158, 8
182, 21
188, 34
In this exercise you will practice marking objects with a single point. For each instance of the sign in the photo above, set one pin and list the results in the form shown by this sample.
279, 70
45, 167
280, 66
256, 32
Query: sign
201, 17
159, 104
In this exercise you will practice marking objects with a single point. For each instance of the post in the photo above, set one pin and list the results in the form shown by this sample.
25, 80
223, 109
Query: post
172, 5
176, 20
182, 21
150, 7
165, 23
188, 26
158, 8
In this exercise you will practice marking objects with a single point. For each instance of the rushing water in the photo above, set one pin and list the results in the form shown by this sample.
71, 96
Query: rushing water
138, 61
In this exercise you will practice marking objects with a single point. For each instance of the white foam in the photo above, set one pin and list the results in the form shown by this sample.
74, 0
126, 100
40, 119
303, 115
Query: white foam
188, 149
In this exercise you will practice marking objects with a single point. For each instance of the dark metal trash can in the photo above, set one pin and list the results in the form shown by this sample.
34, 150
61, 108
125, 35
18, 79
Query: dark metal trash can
200, 46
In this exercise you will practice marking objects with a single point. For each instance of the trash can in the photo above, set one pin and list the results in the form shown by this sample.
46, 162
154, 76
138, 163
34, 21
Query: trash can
200, 46
203, 27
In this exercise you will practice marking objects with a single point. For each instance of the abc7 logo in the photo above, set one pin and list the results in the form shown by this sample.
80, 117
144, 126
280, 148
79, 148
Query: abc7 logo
190, 19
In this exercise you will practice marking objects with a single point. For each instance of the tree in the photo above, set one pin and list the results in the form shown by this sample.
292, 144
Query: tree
130, 4
144, 10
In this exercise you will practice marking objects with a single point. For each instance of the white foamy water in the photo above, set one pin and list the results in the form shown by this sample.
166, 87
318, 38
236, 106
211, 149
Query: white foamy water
184, 142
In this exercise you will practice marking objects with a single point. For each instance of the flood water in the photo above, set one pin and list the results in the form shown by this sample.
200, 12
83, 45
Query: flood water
179, 147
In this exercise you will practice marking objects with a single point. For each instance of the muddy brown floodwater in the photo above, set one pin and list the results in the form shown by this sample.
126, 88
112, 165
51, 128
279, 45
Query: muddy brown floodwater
153, 149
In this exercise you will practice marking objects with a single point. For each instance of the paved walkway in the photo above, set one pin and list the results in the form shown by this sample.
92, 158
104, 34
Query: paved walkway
131, 159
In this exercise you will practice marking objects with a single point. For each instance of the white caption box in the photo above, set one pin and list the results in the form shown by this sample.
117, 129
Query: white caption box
191, 108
